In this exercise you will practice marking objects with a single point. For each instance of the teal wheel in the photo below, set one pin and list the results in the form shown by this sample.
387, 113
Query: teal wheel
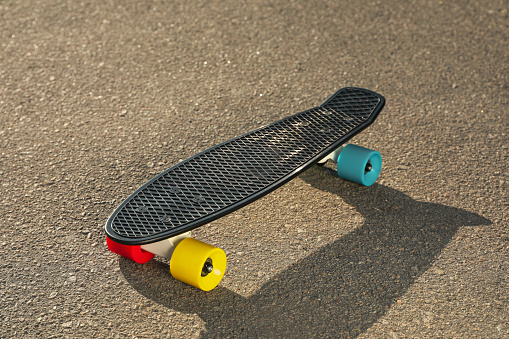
359, 164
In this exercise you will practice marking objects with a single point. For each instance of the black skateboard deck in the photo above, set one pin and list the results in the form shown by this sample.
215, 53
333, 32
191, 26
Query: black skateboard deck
241, 170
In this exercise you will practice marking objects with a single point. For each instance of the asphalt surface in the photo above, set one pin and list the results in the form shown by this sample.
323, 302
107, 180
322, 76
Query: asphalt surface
97, 97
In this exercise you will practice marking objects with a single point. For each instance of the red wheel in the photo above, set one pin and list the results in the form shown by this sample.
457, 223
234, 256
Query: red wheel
135, 253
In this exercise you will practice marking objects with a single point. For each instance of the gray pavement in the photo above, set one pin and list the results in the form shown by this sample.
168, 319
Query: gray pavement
97, 97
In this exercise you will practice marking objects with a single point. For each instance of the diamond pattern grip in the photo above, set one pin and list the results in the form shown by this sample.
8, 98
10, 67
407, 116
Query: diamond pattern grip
230, 175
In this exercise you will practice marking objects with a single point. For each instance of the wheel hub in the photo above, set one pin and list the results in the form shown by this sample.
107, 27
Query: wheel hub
368, 168
207, 268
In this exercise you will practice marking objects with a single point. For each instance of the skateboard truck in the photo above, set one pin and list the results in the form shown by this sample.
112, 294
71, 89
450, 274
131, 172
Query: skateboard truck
333, 156
166, 247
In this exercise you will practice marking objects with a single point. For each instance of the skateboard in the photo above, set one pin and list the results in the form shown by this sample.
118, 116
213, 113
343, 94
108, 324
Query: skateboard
158, 217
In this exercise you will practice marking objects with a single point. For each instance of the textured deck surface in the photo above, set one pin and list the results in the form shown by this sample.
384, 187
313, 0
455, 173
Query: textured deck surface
236, 172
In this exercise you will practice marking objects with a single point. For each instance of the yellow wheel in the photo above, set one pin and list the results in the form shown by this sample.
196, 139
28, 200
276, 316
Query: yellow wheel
198, 264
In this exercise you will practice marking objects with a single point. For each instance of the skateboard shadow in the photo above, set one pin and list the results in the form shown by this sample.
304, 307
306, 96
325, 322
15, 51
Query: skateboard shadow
339, 290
